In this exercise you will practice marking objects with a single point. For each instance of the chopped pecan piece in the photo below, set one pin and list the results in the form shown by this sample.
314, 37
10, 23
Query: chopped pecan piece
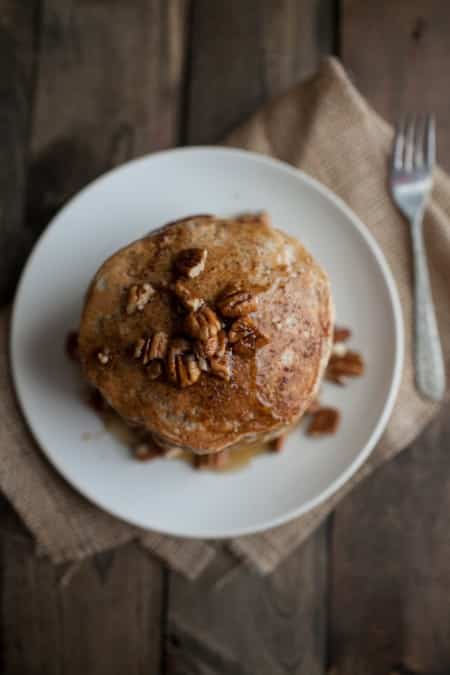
324, 421
213, 346
235, 301
202, 324
350, 364
206, 348
341, 334
146, 451
104, 356
191, 262
177, 347
158, 346
221, 366
138, 297
186, 297
187, 370
154, 370
277, 444
245, 336
140, 348
155, 347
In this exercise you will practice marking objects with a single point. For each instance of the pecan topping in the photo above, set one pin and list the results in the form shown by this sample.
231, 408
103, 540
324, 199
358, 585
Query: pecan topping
155, 347
191, 262
204, 349
202, 324
104, 356
324, 421
186, 297
235, 302
154, 370
245, 336
221, 366
145, 451
187, 370
277, 444
176, 348
341, 334
138, 296
158, 346
350, 364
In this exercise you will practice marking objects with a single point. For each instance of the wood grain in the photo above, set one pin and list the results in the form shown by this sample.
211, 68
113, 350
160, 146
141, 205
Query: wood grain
242, 53
399, 54
245, 624
97, 623
389, 536
17, 58
108, 89
390, 564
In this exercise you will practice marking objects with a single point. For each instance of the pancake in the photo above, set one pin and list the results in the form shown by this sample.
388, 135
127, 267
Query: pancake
209, 332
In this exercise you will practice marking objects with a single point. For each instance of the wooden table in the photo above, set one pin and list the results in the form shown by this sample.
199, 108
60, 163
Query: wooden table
87, 85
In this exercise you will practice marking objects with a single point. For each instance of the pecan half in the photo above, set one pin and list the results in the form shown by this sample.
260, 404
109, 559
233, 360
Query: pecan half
221, 366
191, 262
350, 364
324, 421
187, 370
186, 297
158, 346
146, 451
277, 444
155, 347
204, 349
245, 336
177, 347
202, 324
235, 301
341, 334
138, 297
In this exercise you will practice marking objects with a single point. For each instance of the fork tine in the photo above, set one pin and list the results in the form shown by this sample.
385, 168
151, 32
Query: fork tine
409, 143
430, 141
399, 144
419, 142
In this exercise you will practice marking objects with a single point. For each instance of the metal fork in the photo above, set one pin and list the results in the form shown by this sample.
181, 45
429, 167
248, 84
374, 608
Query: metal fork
413, 158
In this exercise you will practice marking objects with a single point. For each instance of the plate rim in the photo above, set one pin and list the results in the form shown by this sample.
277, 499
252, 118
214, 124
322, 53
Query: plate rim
398, 324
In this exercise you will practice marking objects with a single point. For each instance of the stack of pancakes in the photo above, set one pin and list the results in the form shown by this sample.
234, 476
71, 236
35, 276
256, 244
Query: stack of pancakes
209, 332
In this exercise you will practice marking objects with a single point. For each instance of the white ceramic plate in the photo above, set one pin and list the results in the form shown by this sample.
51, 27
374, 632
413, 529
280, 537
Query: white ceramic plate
168, 495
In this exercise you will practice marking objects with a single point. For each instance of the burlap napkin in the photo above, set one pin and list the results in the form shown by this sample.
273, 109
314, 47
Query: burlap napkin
327, 129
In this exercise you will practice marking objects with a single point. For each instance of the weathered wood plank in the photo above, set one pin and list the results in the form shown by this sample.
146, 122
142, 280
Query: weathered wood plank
398, 53
17, 57
250, 624
390, 564
390, 551
108, 88
242, 53
99, 624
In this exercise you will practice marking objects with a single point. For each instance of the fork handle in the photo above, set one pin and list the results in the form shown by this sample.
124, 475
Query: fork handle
430, 369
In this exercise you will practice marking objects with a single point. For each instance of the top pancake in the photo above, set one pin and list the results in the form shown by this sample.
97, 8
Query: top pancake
270, 386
